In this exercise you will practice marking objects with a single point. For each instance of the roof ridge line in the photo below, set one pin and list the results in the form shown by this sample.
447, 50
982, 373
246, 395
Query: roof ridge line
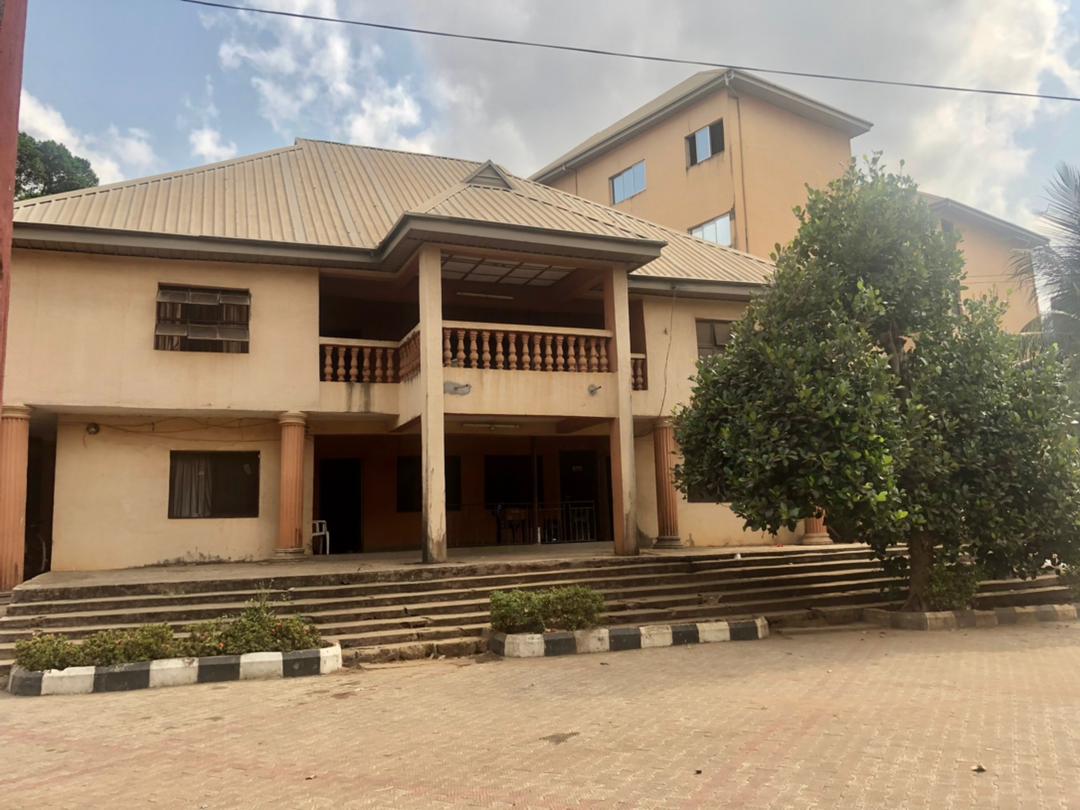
388, 149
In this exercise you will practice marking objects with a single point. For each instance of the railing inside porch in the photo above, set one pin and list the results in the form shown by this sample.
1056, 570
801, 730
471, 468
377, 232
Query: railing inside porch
517, 524
370, 361
525, 348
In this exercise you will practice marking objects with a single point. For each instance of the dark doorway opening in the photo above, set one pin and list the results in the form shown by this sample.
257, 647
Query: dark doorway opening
341, 503
40, 482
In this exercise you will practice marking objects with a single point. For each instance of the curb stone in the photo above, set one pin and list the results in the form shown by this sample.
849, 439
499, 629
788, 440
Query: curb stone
174, 672
615, 639
956, 619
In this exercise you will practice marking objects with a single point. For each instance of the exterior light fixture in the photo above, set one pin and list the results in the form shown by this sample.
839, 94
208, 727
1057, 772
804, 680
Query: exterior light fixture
593, 388
492, 426
93, 429
494, 296
457, 389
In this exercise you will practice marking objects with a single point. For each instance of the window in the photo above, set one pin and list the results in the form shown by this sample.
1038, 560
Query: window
626, 184
409, 487
213, 485
715, 230
705, 143
202, 319
712, 337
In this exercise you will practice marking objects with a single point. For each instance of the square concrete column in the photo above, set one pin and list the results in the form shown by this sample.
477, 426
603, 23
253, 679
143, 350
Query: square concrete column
14, 458
290, 541
667, 497
617, 319
432, 422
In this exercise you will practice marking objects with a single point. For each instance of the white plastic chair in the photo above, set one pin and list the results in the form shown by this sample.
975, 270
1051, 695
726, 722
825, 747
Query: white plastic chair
319, 530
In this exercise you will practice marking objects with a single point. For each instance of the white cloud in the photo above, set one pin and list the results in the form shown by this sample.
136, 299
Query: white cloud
114, 155
206, 143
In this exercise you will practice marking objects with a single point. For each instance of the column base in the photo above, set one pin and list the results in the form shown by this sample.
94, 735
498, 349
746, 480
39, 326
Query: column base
669, 542
816, 540
286, 554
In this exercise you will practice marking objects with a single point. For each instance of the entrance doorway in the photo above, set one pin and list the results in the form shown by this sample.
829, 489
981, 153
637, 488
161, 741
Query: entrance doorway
579, 489
341, 503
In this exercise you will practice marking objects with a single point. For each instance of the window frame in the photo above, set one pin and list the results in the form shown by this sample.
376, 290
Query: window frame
716, 348
172, 508
191, 329
730, 216
628, 171
715, 132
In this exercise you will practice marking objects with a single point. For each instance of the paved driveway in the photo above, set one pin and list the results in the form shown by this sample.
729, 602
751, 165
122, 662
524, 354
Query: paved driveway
844, 719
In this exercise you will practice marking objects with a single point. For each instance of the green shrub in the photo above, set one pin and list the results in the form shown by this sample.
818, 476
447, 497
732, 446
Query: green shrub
256, 629
46, 651
517, 612
571, 608
111, 647
952, 586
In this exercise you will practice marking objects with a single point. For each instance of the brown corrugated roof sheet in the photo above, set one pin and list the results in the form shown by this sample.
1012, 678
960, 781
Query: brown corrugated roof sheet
336, 195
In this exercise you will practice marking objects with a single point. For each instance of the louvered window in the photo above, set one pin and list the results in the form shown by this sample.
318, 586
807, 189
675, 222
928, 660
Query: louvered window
202, 319
712, 337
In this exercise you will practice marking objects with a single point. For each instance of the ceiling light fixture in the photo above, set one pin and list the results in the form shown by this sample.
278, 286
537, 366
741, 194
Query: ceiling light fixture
490, 425
485, 295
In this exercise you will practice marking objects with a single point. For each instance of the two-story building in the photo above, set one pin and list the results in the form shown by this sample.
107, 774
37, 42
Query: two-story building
726, 156
422, 352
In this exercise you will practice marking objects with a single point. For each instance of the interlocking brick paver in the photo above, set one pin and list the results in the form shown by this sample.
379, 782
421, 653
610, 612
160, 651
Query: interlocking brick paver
874, 719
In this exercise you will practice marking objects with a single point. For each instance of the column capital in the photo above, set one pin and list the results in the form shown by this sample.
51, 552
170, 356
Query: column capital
663, 423
292, 418
15, 412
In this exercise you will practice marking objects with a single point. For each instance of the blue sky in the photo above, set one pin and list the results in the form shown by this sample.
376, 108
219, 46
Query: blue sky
143, 86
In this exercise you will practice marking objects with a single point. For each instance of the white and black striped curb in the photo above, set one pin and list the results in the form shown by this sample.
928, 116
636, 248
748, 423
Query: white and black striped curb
613, 639
957, 619
175, 672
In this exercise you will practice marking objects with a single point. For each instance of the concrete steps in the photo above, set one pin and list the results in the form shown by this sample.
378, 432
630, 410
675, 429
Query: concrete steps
414, 611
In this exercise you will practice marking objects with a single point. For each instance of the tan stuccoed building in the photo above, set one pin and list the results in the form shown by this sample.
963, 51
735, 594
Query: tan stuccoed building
425, 353
726, 156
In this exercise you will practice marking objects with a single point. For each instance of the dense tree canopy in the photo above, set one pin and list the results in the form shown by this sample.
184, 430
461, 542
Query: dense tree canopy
858, 384
47, 167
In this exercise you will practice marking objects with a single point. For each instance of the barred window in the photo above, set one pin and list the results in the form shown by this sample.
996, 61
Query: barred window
202, 319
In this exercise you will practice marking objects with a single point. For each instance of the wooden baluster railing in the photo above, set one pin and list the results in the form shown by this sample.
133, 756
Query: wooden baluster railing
603, 354
485, 348
446, 356
474, 356
511, 351
499, 357
526, 354
637, 373
571, 352
328, 363
353, 352
459, 336
378, 365
538, 355
560, 360
548, 362
340, 372
365, 365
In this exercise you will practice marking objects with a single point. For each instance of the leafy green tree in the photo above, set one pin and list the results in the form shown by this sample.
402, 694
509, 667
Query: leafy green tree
858, 384
47, 167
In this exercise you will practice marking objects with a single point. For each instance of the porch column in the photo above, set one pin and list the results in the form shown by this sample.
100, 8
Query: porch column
432, 438
290, 541
617, 319
14, 456
815, 533
667, 498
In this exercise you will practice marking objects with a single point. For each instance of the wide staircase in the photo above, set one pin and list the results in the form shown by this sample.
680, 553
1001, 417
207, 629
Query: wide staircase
413, 611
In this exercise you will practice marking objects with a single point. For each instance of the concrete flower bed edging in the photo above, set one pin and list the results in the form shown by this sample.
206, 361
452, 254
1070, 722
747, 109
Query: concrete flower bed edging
175, 672
614, 639
954, 619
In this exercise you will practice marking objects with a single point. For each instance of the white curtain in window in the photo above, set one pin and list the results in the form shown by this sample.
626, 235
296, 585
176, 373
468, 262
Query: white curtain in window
192, 486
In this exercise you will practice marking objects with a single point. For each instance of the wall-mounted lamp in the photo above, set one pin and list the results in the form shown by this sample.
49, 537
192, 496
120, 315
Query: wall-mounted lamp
593, 388
457, 389
93, 429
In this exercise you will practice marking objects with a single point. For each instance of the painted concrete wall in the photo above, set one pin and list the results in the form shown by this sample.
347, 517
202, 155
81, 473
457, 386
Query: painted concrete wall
82, 334
988, 257
112, 493
780, 152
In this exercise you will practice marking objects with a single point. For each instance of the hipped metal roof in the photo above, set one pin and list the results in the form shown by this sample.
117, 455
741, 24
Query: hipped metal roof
331, 195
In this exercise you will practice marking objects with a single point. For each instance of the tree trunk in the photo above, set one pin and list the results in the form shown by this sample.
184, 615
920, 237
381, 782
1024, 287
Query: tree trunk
920, 563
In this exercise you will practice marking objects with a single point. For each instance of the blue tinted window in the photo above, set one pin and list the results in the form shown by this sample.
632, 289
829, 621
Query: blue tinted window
626, 184
701, 143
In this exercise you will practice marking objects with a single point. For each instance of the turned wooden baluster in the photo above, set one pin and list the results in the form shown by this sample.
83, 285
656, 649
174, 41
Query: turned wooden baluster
459, 355
526, 356
511, 351
500, 358
340, 374
474, 356
365, 364
446, 354
594, 357
548, 365
560, 360
538, 352
603, 354
635, 372
328, 363
571, 353
378, 365
353, 352
485, 348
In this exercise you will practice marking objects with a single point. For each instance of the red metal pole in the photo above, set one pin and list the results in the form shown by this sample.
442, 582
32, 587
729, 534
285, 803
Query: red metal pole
12, 37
